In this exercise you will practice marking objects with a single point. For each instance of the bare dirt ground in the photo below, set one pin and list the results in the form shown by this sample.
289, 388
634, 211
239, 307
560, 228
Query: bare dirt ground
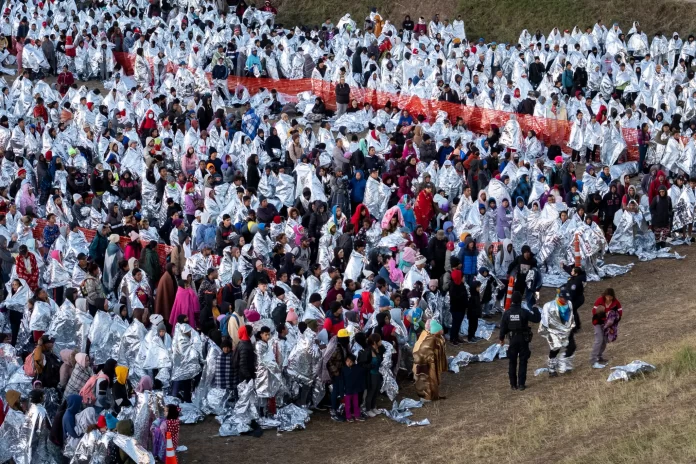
481, 417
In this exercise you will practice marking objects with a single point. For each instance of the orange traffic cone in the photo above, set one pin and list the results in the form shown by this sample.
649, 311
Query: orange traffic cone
171, 455
508, 298
578, 258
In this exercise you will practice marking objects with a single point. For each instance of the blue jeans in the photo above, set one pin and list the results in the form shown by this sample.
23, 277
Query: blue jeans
336, 391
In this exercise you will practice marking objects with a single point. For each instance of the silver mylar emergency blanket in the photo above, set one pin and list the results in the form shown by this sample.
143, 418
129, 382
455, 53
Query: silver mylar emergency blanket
187, 353
552, 328
613, 144
87, 449
400, 412
198, 265
462, 359
64, 327
484, 330
33, 446
10, 432
355, 266
285, 189
269, 378
130, 344
389, 385
630, 370
491, 352
307, 178
18, 300
683, 209
100, 337
42, 314
129, 446
415, 275
244, 411
148, 407
228, 266
9, 364
376, 197
303, 359
208, 399
155, 352
77, 243
55, 275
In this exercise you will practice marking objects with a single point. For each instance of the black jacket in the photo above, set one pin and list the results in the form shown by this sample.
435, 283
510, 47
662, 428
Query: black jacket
342, 93
536, 72
428, 152
526, 106
525, 317
661, 211
459, 297
244, 362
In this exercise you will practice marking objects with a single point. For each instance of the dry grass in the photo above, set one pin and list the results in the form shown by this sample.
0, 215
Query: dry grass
588, 421
503, 20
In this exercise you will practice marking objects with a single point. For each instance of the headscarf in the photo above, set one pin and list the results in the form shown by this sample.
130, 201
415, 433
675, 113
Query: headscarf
81, 360
121, 374
145, 384
356, 219
12, 398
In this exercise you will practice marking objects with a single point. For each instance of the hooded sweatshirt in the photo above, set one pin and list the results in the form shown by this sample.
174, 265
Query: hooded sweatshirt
74, 405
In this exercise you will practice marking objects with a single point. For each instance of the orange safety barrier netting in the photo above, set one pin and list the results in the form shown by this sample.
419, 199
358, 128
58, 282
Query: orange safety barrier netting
478, 120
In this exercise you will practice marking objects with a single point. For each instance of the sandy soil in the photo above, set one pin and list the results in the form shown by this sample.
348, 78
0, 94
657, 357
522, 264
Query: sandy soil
479, 399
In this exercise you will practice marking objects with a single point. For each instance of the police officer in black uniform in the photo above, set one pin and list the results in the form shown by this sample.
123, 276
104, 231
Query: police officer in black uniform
515, 324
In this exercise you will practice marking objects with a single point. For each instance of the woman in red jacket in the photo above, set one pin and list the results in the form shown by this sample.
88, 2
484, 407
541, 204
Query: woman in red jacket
424, 207
606, 314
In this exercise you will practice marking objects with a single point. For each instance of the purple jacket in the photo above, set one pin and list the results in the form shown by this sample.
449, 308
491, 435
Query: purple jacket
504, 221
190, 203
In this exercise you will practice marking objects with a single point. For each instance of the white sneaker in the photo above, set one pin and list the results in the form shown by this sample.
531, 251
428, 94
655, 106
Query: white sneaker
376, 412
598, 366
370, 414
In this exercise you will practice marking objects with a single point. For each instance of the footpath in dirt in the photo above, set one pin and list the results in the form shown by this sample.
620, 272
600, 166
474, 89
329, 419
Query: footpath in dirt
480, 404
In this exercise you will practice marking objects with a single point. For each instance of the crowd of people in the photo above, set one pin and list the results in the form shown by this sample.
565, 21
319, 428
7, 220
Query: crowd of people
312, 255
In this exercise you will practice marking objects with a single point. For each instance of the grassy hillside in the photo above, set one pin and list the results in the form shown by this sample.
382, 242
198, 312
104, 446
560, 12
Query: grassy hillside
503, 20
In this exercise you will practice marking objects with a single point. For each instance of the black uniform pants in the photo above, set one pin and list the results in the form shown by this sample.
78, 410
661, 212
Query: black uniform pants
457, 319
518, 351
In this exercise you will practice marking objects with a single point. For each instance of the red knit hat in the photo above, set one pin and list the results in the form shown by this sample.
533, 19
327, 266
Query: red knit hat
101, 422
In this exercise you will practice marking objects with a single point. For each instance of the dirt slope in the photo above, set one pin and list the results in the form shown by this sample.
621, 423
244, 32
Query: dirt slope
503, 20
641, 421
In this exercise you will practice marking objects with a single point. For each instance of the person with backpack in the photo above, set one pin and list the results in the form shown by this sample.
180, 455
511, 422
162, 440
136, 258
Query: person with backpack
45, 363
97, 390
232, 322
232, 291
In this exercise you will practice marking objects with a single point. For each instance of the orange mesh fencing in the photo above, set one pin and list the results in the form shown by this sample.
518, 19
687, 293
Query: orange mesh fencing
478, 120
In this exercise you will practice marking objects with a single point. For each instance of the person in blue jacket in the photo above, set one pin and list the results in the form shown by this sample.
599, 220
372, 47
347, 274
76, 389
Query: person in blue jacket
357, 188
468, 257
